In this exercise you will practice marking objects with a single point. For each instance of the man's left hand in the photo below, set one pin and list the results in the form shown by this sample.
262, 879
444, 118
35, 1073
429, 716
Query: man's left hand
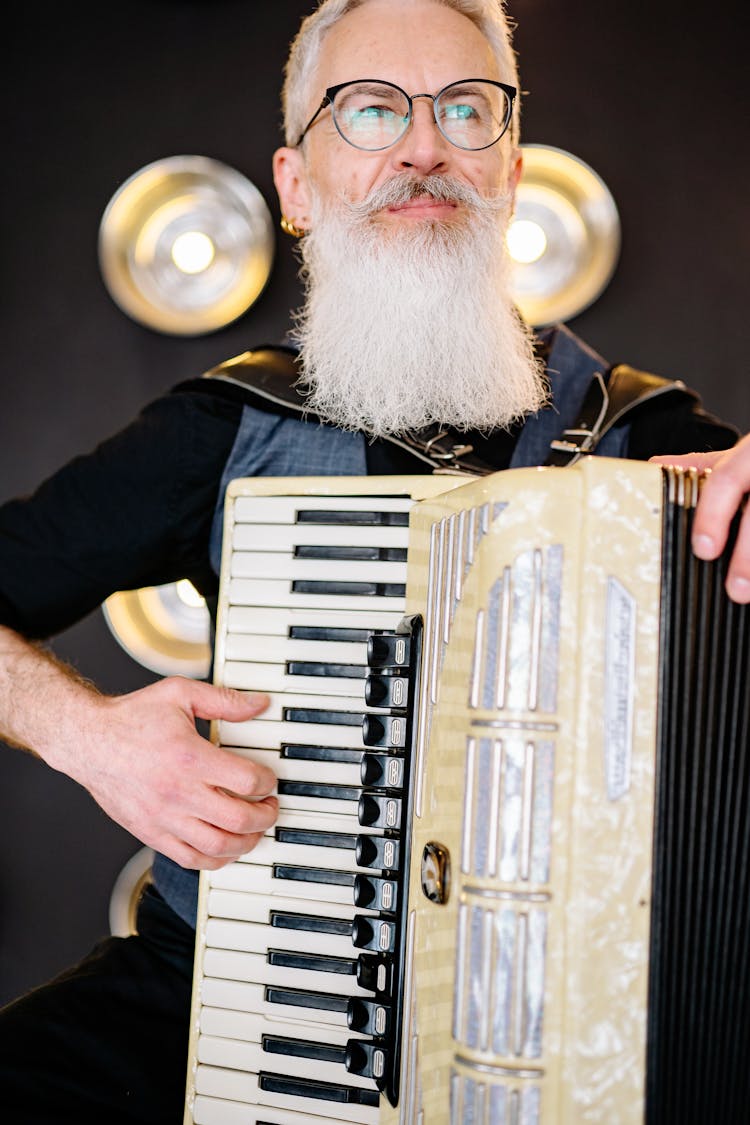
727, 483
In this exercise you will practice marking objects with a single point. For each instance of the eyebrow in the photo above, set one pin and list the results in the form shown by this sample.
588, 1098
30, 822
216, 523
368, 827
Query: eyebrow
466, 88
373, 87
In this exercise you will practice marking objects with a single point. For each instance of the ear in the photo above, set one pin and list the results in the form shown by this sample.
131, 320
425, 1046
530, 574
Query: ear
515, 171
292, 185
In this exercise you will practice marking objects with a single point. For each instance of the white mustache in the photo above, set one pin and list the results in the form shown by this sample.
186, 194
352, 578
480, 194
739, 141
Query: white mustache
444, 189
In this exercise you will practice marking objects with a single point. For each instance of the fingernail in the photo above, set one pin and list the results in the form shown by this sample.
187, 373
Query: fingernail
739, 589
703, 546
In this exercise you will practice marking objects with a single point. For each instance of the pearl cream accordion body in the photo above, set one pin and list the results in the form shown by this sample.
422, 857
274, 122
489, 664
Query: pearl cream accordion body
508, 881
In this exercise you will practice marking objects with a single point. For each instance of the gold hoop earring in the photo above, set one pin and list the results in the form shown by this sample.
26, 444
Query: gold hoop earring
289, 227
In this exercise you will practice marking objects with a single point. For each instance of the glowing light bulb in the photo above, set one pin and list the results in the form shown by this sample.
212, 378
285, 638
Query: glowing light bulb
526, 241
192, 251
188, 594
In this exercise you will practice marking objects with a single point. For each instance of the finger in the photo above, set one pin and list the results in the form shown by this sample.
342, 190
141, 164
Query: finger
236, 815
738, 576
213, 843
238, 775
208, 701
229, 704
688, 460
193, 859
720, 499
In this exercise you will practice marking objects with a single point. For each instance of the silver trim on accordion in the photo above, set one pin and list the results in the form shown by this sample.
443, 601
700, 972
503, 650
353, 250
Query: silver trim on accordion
519, 898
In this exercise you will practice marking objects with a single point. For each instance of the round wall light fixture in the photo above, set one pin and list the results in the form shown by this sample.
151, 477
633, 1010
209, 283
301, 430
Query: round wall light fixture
564, 240
166, 628
126, 892
186, 245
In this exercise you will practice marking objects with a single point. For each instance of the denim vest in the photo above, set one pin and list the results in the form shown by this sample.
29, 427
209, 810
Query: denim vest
271, 446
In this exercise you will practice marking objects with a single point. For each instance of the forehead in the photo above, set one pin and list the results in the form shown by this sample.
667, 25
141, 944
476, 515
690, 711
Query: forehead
408, 42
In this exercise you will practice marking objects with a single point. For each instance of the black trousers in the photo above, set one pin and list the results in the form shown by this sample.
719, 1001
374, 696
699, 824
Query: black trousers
106, 1042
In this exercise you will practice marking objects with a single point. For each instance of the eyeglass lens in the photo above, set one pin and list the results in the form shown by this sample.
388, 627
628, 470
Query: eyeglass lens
373, 115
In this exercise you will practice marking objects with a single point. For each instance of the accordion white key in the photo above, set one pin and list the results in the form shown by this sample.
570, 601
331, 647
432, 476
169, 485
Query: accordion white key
508, 883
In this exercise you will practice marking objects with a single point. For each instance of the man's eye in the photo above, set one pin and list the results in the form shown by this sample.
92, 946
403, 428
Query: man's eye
371, 111
460, 113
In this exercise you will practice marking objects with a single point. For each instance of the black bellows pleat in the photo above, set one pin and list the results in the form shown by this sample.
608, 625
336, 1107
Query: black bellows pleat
698, 1056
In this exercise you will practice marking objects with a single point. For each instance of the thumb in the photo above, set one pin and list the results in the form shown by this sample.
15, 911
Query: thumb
207, 701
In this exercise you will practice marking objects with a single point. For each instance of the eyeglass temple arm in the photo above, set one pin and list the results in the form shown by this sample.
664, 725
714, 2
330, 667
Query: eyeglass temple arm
326, 101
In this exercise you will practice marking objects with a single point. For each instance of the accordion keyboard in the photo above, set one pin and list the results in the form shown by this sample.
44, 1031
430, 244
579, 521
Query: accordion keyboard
292, 1010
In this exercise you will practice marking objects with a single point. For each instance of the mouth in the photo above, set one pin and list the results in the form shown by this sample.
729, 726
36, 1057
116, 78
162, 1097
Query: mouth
423, 206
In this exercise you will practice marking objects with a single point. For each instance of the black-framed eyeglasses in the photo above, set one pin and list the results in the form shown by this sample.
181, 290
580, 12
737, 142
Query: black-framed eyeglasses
372, 115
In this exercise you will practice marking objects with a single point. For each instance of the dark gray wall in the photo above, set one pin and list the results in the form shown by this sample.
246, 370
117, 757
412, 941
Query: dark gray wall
657, 106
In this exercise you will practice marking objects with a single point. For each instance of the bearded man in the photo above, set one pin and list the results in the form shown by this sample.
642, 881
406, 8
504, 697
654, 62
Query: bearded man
400, 171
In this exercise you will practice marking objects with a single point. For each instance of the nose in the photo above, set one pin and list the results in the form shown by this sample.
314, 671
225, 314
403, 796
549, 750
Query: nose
422, 147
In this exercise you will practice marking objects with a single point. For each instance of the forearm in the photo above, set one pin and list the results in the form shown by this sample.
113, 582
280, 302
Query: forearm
140, 755
39, 697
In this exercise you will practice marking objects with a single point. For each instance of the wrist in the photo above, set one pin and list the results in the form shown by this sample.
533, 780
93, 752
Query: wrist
42, 700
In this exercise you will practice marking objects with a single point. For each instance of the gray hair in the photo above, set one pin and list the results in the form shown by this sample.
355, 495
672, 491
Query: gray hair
488, 15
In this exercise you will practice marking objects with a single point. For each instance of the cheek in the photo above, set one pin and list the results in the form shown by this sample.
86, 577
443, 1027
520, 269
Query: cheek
488, 174
333, 172
356, 178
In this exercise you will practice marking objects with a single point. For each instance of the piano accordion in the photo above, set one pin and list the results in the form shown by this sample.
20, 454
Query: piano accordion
508, 884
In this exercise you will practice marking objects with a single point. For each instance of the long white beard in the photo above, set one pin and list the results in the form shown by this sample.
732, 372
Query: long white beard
403, 327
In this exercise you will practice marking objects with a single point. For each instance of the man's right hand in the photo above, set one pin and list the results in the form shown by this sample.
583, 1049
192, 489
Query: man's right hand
143, 761
140, 755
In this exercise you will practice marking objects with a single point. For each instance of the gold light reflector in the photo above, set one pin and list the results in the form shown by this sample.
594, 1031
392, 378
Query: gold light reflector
186, 245
164, 628
564, 241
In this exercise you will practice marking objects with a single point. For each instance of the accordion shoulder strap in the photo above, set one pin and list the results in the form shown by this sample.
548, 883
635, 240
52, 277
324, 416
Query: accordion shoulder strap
608, 402
271, 376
